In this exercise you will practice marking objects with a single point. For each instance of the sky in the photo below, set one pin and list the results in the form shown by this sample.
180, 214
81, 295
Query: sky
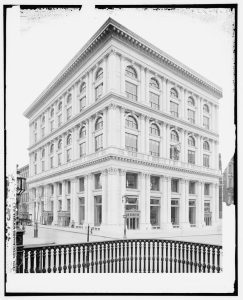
41, 43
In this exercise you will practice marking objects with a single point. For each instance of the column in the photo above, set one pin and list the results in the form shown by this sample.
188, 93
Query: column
122, 129
165, 141
142, 137
90, 135
142, 204
216, 155
200, 150
105, 127
183, 104
123, 90
167, 97
213, 203
146, 87
167, 206
112, 128
74, 143
112, 71
164, 96
104, 198
183, 215
183, 145
122, 178
216, 122
55, 205
199, 206
74, 210
212, 156
143, 86
89, 200
146, 140
74, 99
185, 95
147, 202
46, 197
64, 199
216, 200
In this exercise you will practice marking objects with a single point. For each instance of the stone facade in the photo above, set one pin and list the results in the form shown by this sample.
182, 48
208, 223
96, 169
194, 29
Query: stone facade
125, 129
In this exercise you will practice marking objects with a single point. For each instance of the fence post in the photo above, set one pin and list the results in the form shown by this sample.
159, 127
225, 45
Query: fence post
19, 247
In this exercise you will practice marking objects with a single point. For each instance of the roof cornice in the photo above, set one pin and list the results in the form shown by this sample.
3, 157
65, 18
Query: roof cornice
111, 27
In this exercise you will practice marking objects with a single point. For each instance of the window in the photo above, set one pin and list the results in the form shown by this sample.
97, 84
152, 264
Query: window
99, 142
155, 212
131, 91
82, 88
69, 140
52, 189
60, 106
174, 109
191, 157
43, 120
206, 160
175, 212
131, 122
59, 189
173, 93
154, 183
206, 189
82, 149
52, 148
82, 103
174, 136
131, 180
68, 155
174, 152
52, 113
52, 125
59, 205
59, 158
191, 101
205, 122
154, 83
154, 147
192, 213
192, 187
35, 170
191, 141
99, 74
206, 146
51, 162
69, 113
35, 138
97, 210
82, 132
59, 144
98, 184
206, 109
130, 72
98, 124
59, 120
69, 99
191, 116
35, 125
81, 210
154, 100
81, 184
98, 91
69, 187
154, 129
42, 131
175, 185
131, 142
43, 153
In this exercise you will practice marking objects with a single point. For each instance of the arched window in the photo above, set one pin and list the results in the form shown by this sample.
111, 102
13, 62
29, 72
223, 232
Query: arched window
69, 98
82, 87
130, 71
174, 136
60, 144
99, 124
82, 132
191, 141
52, 148
154, 83
173, 93
52, 112
191, 101
99, 74
60, 106
206, 146
131, 122
154, 129
43, 153
69, 139
205, 108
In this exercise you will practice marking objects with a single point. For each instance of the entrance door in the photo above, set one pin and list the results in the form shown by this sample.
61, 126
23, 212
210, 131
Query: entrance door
132, 213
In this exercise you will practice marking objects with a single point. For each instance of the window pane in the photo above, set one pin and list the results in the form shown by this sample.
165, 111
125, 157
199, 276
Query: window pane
98, 184
131, 142
154, 100
81, 184
82, 103
192, 187
175, 185
82, 149
98, 91
99, 142
191, 157
131, 181
206, 160
174, 109
191, 116
131, 91
154, 148
154, 183
206, 189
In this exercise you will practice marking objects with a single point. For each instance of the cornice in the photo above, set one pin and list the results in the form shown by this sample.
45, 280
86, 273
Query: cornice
113, 29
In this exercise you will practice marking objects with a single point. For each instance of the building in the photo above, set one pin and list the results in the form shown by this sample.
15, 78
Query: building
220, 188
228, 183
24, 214
125, 130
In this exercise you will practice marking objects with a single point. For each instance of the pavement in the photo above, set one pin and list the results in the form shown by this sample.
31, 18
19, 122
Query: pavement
62, 235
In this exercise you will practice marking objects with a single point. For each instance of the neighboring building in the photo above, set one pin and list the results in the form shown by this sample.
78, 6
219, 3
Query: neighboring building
228, 183
24, 214
125, 128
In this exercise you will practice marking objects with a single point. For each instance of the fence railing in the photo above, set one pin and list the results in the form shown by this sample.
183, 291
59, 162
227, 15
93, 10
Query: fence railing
121, 256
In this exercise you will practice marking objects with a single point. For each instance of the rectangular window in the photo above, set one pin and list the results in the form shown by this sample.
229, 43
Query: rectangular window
154, 147
69, 113
35, 170
82, 103
98, 91
131, 91
59, 158
175, 185
206, 189
68, 155
206, 160
192, 187
191, 157
131, 142
82, 148
206, 122
59, 120
174, 152
68, 205
175, 212
81, 184
98, 184
81, 210
154, 100
52, 125
131, 181
192, 213
68, 187
35, 137
52, 189
97, 210
174, 109
154, 183
51, 162
43, 166
59, 189
59, 205
154, 211
42, 131
99, 142
191, 116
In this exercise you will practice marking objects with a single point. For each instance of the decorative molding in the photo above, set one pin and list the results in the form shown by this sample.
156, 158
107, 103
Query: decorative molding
112, 171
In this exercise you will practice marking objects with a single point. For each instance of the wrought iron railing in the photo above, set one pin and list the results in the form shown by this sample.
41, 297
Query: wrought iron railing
121, 256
